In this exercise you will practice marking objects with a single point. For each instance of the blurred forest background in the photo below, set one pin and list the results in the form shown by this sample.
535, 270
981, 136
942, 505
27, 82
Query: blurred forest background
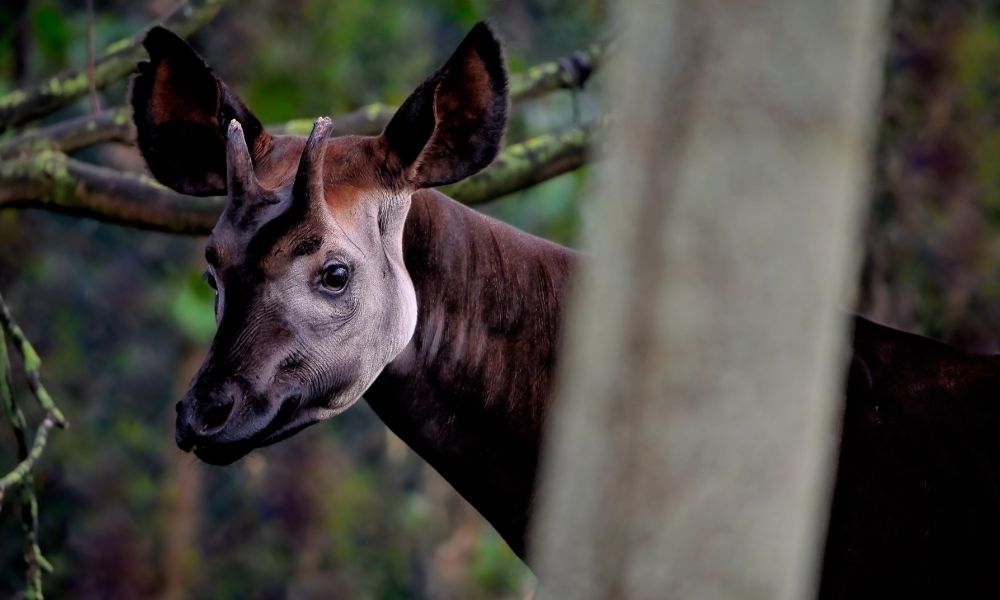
121, 317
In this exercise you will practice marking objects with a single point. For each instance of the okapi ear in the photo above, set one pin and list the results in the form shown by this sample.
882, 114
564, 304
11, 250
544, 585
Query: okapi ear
452, 124
181, 111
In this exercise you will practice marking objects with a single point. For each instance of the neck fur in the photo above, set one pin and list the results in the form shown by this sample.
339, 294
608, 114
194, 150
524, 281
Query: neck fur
470, 390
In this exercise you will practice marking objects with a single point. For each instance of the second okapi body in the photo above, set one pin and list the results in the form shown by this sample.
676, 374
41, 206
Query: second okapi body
341, 274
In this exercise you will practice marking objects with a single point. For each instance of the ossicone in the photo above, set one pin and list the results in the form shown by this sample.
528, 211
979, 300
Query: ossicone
309, 178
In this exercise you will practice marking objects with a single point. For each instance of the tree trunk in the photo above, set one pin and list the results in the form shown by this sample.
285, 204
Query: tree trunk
691, 442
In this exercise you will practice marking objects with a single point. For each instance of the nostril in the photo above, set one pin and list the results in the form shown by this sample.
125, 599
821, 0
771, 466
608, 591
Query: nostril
291, 400
217, 412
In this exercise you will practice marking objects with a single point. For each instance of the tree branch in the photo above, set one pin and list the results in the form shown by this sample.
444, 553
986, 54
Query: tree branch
117, 61
569, 72
21, 475
367, 120
523, 165
32, 364
53, 181
115, 125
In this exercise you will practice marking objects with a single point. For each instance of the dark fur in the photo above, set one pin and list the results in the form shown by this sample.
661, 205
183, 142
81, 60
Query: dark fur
469, 393
916, 507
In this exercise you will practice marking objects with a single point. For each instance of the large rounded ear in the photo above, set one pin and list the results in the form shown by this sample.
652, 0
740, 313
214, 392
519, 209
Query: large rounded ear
451, 126
181, 111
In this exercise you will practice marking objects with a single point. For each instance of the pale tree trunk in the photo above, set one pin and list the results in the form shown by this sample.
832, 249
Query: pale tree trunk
693, 436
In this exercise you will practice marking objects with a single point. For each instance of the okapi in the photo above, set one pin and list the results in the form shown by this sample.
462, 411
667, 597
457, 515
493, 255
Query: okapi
340, 273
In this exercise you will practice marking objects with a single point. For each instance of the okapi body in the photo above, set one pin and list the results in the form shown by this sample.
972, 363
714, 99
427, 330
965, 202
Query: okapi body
916, 504
341, 274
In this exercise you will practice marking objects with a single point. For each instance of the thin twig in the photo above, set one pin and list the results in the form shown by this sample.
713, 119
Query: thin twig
23, 468
32, 365
95, 104
13, 414
35, 561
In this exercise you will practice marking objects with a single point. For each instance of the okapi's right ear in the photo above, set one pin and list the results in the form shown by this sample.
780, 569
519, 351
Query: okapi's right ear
181, 111
452, 125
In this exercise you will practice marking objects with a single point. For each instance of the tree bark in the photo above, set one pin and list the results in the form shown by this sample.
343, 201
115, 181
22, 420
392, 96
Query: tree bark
691, 442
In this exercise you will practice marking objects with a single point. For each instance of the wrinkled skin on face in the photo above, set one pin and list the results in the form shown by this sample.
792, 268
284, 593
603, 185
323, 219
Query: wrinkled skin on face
311, 306
313, 297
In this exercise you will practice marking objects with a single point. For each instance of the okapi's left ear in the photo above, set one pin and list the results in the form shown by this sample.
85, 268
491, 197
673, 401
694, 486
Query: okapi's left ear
181, 111
452, 125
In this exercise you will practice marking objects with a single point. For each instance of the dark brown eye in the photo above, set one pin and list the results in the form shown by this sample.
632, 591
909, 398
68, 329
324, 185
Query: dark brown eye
334, 277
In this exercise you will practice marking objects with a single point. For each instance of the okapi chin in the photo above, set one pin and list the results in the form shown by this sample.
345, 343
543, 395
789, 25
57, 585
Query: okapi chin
340, 274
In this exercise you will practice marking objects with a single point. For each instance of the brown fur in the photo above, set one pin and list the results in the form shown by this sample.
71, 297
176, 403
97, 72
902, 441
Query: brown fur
469, 393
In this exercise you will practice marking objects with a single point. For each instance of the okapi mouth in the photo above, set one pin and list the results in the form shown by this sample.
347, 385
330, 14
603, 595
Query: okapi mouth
284, 425
227, 422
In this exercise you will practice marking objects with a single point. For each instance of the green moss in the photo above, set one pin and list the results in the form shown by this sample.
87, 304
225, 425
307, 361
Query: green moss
14, 98
120, 45
71, 86
374, 111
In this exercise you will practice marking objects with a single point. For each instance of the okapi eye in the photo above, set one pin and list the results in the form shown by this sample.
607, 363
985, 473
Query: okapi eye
335, 277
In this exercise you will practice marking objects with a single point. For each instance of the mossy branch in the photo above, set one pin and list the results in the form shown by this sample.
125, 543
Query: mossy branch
115, 125
569, 72
523, 165
53, 181
21, 475
367, 120
117, 61
32, 364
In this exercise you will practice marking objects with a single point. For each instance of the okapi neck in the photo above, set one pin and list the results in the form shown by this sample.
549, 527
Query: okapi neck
469, 392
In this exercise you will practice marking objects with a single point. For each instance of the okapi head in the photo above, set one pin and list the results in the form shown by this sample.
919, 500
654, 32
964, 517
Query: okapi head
313, 299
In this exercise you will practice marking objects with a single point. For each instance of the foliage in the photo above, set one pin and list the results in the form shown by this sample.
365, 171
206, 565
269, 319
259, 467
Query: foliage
932, 259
